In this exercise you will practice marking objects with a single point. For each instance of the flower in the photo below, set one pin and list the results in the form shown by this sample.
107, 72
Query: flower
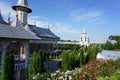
70, 77
48, 78
34, 78
38, 74
68, 72
57, 71
61, 78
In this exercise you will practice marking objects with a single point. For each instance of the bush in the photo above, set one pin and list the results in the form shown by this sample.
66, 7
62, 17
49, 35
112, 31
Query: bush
65, 61
36, 65
8, 66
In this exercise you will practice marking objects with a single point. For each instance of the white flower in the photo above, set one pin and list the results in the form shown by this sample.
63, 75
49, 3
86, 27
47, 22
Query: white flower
76, 69
52, 75
62, 73
70, 77
34, 77
57, 71
68, 72
48, 78
106, 77
38, 74
61, 78
66, 76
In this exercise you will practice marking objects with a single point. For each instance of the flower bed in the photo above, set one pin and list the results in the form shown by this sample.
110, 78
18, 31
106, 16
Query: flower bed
93, 70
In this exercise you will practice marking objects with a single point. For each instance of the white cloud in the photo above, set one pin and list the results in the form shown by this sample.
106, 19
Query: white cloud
6, 8
64, 28
38, 21
90, 16
65, 31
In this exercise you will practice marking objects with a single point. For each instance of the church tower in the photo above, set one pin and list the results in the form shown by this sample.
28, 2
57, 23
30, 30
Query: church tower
84, 34
22, 9
84, 40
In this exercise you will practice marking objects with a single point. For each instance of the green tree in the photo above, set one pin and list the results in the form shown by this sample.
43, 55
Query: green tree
116, 37
82, 56
40, 63
8, 66
117, 45
65, 61
89, 53
31, 70
35, 65
96, 49
108, 46
74, 59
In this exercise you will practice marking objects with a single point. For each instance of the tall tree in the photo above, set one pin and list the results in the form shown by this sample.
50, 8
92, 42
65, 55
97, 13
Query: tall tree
40, 63
65, 61
36, 64
8, 66
116, 37
31, 70
108, 45
82, 56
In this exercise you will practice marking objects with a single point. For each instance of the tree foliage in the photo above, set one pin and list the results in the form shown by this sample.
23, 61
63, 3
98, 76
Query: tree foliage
79, 56
36, 64
92, 52
116, 37
65, 61
8, 66
82, 56
108, 46
112, 46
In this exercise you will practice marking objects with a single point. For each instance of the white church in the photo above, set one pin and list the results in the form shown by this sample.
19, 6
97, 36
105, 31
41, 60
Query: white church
84, 40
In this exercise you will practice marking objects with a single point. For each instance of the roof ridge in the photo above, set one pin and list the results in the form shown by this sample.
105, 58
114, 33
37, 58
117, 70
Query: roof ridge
16, 23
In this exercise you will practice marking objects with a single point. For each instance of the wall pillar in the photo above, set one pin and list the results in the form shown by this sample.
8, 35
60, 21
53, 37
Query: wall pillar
17, 75
26, 45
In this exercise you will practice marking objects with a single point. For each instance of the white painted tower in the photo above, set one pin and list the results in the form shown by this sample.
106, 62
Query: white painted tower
22, 9
84, 40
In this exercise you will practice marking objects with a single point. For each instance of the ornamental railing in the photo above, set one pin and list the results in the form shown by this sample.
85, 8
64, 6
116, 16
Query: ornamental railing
18, 66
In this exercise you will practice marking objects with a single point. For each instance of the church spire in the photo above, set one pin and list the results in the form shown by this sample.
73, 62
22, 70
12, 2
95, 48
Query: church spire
22, 9
84, 31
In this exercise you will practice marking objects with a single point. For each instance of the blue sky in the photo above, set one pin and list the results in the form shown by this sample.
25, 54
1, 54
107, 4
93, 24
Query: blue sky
67, 18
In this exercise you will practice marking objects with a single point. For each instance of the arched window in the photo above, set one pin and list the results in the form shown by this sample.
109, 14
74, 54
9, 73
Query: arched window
18, 50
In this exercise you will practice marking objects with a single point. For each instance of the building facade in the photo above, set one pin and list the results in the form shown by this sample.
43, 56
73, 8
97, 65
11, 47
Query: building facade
47, 37
23, 39
17, 39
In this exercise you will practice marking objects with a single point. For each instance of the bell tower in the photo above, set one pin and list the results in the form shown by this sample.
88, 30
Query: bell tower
22, 9
84, 40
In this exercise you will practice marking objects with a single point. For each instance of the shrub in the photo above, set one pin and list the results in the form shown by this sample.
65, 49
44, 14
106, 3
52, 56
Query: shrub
8, 66
35, 65
65, 61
